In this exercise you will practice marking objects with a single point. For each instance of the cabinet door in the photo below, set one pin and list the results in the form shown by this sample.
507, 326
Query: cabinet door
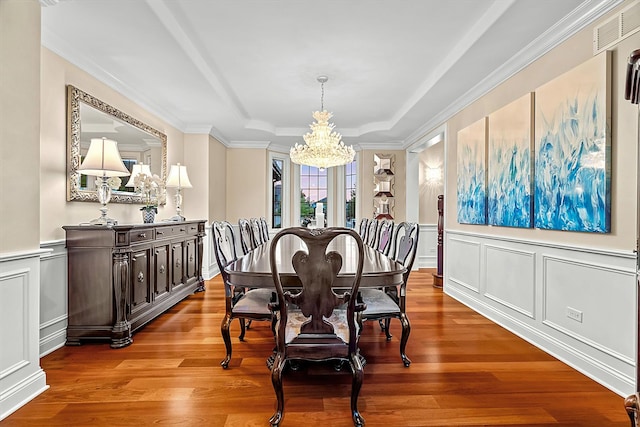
161, 268
140, 295
191, 253
177, 265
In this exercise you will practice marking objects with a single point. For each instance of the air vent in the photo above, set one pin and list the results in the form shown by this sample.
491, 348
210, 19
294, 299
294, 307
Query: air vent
617, 28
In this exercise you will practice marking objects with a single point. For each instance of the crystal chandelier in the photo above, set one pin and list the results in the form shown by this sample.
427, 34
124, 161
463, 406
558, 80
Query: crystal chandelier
323, 148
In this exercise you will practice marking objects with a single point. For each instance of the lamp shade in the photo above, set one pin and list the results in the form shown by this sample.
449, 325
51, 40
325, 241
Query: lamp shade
138, 169
178, 177
103, 159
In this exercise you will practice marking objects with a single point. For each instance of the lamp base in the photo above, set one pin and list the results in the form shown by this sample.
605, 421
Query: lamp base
103, 219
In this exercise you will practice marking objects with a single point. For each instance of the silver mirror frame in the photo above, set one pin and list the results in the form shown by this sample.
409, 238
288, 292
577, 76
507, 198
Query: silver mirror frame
74, 97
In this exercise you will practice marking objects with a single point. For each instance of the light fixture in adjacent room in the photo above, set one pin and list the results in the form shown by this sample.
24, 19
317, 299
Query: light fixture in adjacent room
103, 161
178, 179
323, 148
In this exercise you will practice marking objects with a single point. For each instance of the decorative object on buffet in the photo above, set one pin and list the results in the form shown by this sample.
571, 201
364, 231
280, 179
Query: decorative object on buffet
153, 193
178, 179
319, 215
323, 148
103, 161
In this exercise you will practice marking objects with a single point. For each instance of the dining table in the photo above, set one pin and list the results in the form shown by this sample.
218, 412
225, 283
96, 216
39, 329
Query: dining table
253, 270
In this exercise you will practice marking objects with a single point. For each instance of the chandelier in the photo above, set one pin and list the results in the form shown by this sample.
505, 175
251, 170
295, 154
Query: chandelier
323, 148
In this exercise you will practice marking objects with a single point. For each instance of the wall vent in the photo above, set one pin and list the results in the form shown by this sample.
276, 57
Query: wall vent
617, 28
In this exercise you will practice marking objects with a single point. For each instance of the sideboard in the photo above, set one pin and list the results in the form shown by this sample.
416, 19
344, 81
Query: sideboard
122, 277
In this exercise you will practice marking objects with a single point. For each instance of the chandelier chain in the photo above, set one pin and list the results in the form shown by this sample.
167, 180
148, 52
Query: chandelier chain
322, 96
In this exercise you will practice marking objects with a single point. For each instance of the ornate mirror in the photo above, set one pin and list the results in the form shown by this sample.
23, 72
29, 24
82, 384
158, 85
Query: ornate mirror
88, 117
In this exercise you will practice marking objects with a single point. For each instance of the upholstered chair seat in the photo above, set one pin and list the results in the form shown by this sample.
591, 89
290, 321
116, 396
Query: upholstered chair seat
338, 320
254, 301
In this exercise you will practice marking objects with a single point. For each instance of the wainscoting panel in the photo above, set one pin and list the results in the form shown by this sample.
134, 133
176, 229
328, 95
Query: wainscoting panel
428, 246
21, 378
53, 296
576, 303
590, 303
510, 278
463, 262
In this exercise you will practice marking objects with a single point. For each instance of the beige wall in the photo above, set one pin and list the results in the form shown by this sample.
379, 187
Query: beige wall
19, 124
195, 202
365, 179
624, 142
55, 211
246, 183
217, 180
432, 157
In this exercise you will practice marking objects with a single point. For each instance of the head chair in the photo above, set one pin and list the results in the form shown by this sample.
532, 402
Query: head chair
314, 322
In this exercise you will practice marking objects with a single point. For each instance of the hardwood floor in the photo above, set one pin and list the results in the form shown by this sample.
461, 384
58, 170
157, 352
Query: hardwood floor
466, 371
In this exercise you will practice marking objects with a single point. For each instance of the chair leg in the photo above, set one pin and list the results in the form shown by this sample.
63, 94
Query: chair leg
249, 324
243, 329
631, 406
276, 380
356, 385
406, 330
224, 329
387, 331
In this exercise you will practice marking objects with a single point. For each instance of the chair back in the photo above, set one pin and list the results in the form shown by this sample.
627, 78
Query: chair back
246, 236
256, 231
265, 229
224, 245
317, 270
406, 245
372, 232
362, 228
385, 234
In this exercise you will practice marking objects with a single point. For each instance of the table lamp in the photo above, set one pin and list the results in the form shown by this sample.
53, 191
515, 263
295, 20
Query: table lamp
138, 169
178, 179
103, 161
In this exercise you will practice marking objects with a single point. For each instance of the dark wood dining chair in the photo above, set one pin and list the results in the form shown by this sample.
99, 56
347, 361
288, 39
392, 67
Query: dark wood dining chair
390, 302
385, 235
314, 323
265, 229
256, 231
372, 233
240, 303
247, 242
362, 228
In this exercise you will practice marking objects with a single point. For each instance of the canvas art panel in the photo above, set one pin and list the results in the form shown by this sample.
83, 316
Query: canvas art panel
510, 166
471, 170
573, 149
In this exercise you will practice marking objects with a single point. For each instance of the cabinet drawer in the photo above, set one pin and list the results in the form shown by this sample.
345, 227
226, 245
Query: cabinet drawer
172, 231
136, 236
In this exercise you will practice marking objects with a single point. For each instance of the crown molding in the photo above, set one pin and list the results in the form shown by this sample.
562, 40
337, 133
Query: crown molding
249, 144
585, 15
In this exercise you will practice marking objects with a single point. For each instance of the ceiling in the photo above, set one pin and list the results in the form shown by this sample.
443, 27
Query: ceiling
245, 71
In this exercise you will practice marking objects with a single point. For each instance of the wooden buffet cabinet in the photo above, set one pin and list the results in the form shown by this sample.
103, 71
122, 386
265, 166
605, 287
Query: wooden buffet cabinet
122, 277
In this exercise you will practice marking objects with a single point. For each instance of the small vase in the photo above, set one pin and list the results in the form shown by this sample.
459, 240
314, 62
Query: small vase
148, 216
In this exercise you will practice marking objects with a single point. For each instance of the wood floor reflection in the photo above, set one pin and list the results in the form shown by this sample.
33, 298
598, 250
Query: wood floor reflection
465, 371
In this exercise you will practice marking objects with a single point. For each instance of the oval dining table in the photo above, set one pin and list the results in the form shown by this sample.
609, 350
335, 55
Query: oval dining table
253, 270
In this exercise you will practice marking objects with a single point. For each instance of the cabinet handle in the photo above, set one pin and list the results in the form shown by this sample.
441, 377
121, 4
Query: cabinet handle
177, 263
142, 235
191, 258
162, 269
160, 232
183, 229
140, 277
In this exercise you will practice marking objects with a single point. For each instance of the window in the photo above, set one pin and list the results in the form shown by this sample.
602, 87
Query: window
277, 167
350, 179
313, 190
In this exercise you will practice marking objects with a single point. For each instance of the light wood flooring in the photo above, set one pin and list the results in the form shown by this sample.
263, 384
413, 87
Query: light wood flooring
466, 371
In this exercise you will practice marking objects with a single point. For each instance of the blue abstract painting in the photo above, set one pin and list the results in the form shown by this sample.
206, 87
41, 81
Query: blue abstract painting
509, 187
471, 183
573, 150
